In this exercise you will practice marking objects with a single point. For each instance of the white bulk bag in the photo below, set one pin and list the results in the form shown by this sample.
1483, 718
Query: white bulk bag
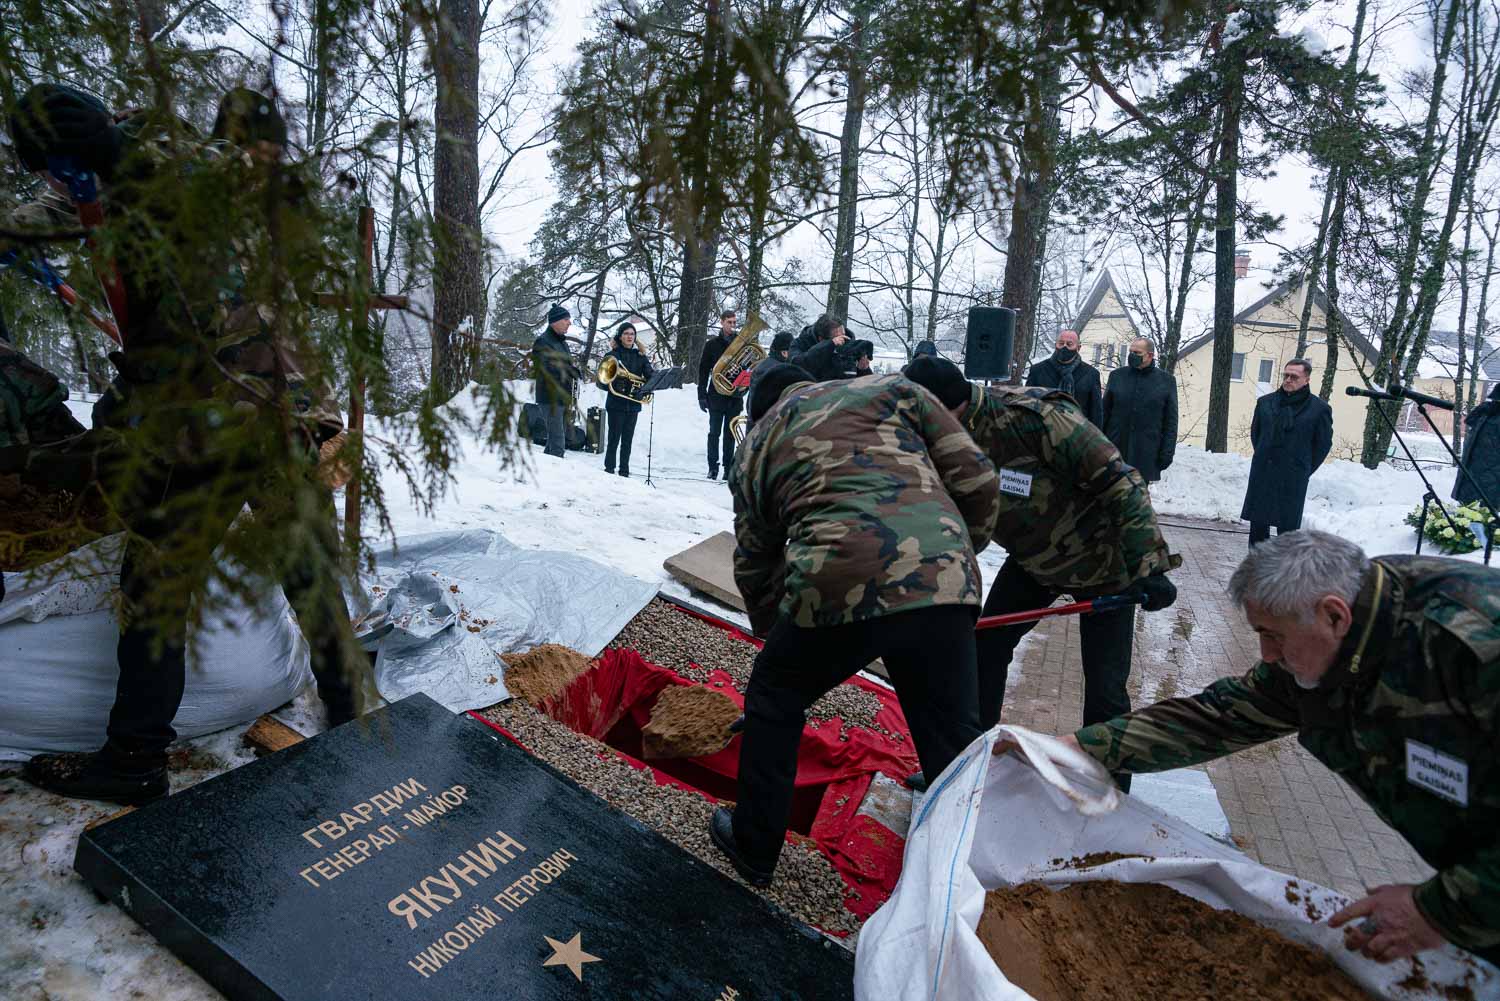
58, 669
990, 822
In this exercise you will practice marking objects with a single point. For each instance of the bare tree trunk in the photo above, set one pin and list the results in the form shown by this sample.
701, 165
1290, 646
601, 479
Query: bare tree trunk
1172, 343
1314, 264
1463, 313
1414, 223
699, 259
857, 88
458, 251
594, 310
1226, 199
1333, 322
1028, 223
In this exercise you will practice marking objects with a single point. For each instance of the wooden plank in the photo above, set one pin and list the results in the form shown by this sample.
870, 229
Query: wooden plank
104, 820
270, 735
709, 567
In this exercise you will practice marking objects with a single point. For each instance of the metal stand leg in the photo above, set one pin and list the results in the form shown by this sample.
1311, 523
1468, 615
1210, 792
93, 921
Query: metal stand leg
1422, 521
650, 441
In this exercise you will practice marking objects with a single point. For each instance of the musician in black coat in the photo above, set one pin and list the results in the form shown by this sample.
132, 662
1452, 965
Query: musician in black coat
1292, 432
621, 413
720, 408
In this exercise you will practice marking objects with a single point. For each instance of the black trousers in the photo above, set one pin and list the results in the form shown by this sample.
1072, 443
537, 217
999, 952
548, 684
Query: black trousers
557, 428
620, 433
718, 427
1105, 639
155, 580
929, 653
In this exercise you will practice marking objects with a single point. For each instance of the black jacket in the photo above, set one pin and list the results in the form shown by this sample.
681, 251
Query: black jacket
552, 365
1291, 439
634, 361
823, 360
717, 402
1481, 455
1049, 375
1140, 417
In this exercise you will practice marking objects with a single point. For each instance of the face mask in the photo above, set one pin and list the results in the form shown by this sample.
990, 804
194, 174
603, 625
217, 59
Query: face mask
1137, 361
1064, 355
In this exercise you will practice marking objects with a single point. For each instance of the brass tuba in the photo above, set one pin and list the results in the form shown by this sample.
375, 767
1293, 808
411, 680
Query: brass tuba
740, 356
610, 369
739, 427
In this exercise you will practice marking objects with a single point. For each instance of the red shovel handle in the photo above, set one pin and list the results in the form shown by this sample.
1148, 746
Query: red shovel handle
1104, 604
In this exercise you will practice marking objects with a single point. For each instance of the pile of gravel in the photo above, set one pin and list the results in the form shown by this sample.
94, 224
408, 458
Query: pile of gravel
806, 885
666, 636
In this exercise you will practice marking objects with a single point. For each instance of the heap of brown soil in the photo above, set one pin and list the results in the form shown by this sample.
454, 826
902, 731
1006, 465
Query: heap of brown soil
688, 721
1109, 941
40, 525
543, 671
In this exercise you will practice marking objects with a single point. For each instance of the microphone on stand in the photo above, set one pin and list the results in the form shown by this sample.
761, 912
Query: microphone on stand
1396, 393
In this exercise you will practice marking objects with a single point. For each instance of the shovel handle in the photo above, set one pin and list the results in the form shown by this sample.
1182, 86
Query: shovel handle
1107, 603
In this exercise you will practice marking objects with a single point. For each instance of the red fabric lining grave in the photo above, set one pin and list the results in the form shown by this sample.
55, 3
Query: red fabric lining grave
613, 700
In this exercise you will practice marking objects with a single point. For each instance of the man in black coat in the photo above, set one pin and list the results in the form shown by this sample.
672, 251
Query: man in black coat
781, 346
555, 373
1481, 454
1071, 374
824, 350
1140, 412
721, 409
1292, 431
621, 411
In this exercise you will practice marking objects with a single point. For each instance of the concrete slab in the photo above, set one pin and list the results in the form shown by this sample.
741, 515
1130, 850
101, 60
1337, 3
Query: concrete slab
709, 567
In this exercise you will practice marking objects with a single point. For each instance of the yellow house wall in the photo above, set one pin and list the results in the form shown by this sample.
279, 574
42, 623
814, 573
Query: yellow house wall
1278, 344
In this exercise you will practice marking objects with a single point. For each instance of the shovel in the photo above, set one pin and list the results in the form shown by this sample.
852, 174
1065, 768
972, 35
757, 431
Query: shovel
1108, 603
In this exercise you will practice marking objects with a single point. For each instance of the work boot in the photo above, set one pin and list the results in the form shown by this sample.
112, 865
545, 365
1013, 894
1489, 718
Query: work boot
721, 831
130, 780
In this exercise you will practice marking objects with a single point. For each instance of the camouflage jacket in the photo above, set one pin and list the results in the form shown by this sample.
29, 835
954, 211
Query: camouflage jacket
1071, 511
32, 410
858, 499
257, 346
1409, 715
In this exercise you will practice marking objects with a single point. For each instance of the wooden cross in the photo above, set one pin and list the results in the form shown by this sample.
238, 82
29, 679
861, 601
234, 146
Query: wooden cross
364, 300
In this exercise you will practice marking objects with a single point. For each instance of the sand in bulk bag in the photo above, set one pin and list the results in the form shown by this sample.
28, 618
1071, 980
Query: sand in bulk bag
991, 822
57, 657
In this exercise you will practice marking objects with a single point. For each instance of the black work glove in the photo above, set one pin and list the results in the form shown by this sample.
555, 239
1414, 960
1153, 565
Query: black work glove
1155, 592
703, 402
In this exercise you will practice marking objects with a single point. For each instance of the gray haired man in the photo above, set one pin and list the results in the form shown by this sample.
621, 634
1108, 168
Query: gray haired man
1388, 671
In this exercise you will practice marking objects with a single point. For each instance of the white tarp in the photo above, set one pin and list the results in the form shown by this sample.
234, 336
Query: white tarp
446, 605
991, 822
57, 658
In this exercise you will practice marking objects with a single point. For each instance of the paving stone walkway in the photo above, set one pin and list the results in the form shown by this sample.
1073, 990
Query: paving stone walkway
1284, 808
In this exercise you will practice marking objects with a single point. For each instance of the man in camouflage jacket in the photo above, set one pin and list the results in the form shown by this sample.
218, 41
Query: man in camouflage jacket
32, 407
1388, 671
178, 229
1074, 519
859, 507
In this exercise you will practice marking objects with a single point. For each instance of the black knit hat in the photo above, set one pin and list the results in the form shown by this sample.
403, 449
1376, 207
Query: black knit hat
247, 117
769, 380
53, 119
558, 312
940, 377
781, 342
925, 348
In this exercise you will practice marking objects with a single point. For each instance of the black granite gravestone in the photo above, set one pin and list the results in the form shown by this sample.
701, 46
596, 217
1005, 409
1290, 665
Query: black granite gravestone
421, 855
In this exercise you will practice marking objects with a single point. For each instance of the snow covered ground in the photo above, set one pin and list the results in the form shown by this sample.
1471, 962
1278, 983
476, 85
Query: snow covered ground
1363, 505
58, 942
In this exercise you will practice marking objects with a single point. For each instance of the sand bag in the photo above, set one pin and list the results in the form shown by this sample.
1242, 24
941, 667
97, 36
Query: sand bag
57, 658
1044, 816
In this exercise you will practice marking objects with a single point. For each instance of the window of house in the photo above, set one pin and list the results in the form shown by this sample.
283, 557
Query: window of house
1237, 367
1266, 368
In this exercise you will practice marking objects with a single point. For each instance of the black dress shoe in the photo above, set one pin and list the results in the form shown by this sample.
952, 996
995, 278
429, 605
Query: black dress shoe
713, 472
97, 775
625, 473
917, 781
721, 831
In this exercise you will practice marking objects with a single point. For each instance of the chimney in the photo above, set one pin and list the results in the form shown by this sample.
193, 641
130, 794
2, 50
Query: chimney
1241, 263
